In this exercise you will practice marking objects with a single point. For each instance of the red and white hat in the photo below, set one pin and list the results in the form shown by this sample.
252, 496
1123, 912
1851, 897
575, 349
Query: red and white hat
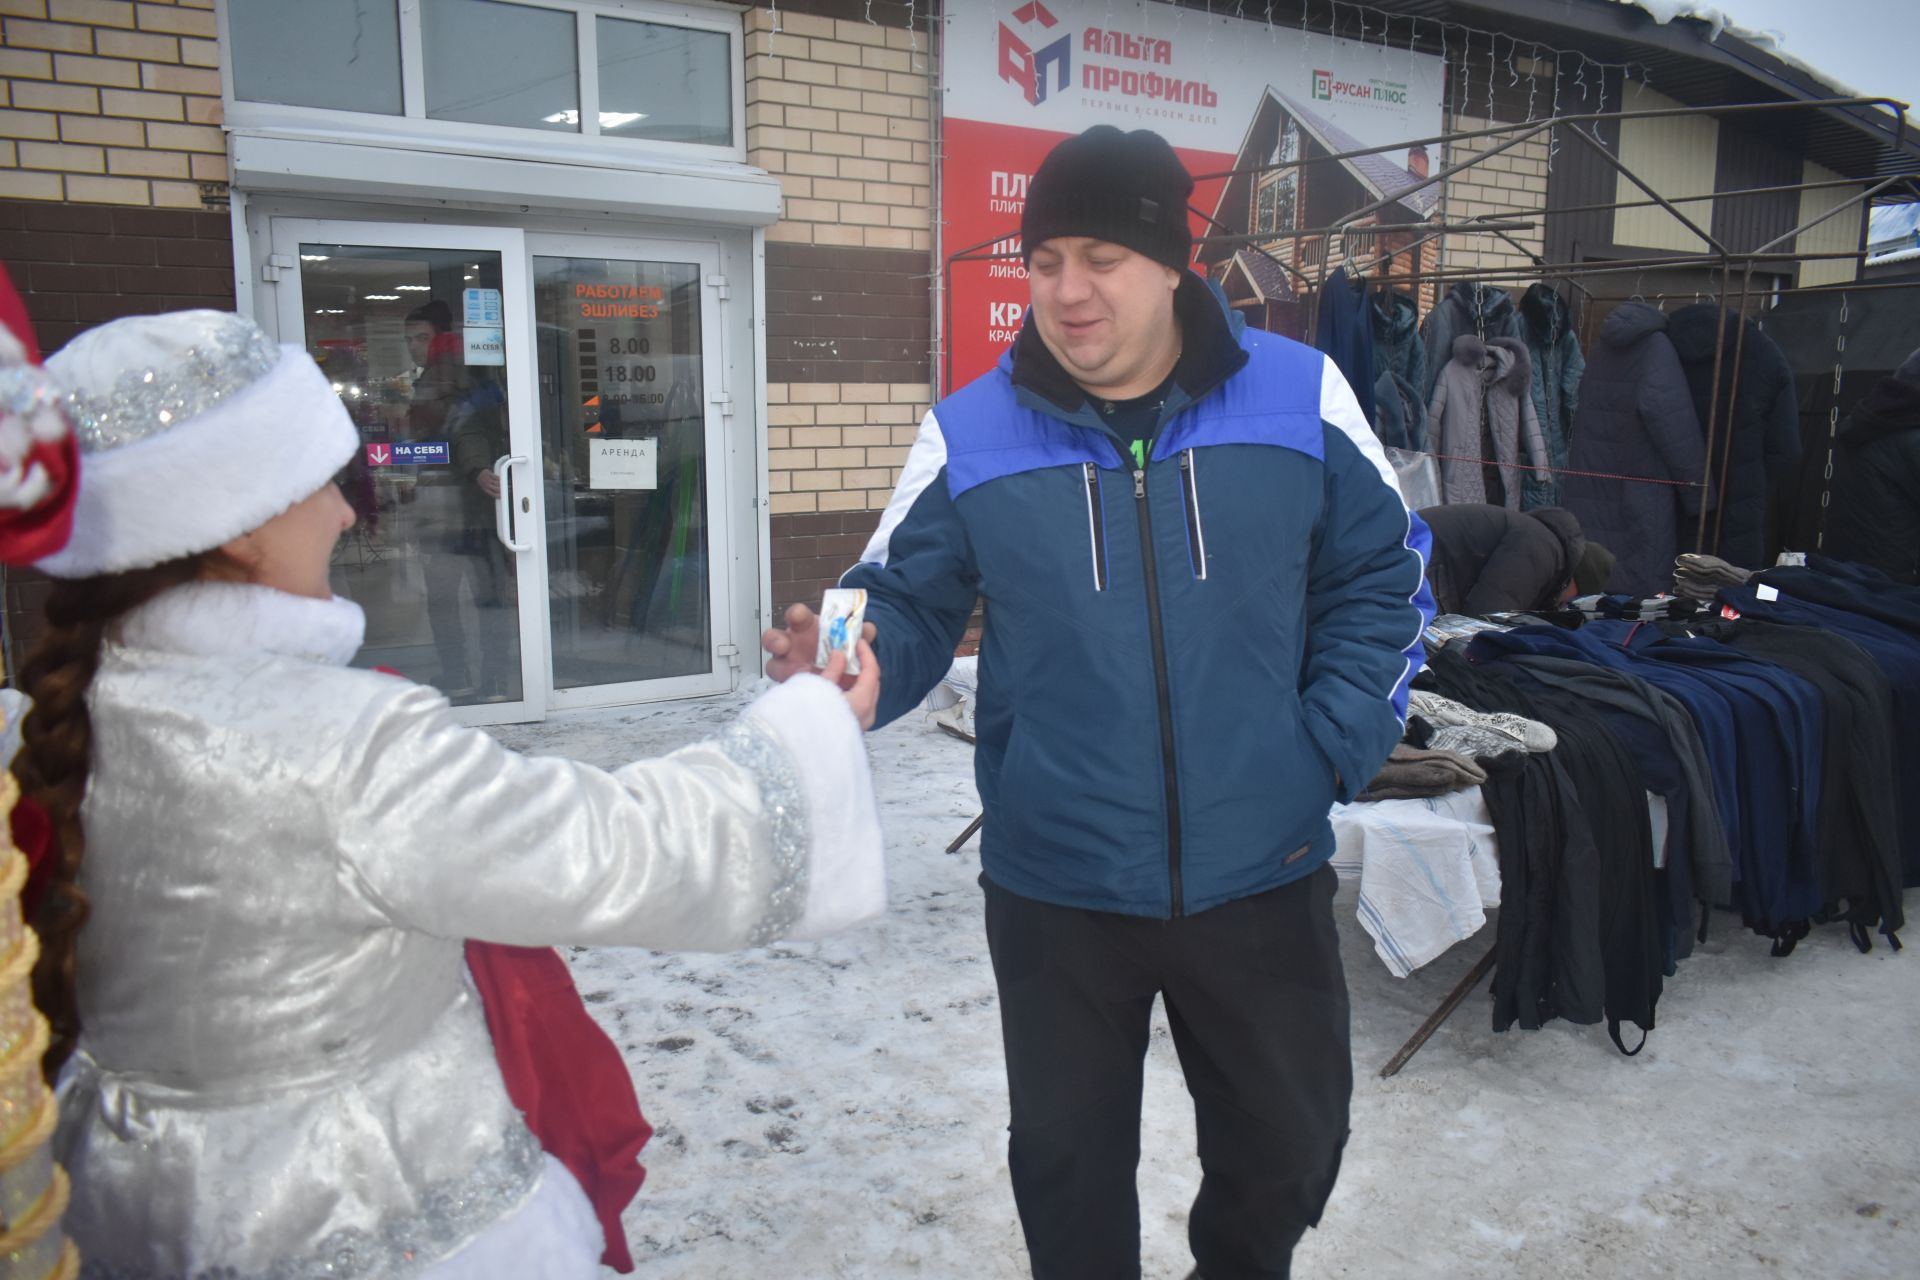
38, 465
195, 427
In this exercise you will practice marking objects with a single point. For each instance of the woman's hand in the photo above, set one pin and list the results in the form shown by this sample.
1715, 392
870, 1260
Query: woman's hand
862, 692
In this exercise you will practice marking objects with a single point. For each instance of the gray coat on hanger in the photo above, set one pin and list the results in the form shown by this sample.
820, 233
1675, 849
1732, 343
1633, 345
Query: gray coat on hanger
1484, 397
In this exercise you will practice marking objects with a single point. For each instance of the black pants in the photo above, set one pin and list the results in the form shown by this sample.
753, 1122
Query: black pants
1258, 1005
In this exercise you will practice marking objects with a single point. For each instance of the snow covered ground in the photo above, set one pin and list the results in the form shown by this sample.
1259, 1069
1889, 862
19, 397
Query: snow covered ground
837, 1109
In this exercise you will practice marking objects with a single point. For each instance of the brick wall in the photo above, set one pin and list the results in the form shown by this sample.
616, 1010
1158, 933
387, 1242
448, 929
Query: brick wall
839, 446
111, 102
847, 315
81, 265
1512, 184
837, 108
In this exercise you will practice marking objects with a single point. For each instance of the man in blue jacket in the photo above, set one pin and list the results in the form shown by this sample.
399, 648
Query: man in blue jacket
1204, 600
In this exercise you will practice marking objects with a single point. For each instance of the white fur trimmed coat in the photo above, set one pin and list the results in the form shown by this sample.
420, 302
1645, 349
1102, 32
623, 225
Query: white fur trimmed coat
281, 1064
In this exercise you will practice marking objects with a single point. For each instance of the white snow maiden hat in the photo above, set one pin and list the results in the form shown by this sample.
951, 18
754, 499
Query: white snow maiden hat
194, 428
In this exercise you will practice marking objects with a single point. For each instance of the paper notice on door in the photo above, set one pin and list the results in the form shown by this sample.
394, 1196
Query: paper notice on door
482, 309
485, 346
623, 464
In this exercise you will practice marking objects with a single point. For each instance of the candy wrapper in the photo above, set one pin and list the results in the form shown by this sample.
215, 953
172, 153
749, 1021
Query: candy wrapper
843, 614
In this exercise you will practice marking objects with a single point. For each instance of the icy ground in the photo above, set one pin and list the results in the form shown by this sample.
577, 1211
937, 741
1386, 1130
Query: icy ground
838, 1109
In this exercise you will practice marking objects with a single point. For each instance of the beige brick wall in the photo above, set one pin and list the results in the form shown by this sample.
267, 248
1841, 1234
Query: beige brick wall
839, 446
111, 102
1512, 184
838, 111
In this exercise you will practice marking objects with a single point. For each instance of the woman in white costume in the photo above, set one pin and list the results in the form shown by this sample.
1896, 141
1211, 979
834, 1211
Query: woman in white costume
274, 1064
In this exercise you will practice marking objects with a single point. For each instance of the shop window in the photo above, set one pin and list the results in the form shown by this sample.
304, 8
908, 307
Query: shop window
349, 53
627, 70
670, 84
494, 63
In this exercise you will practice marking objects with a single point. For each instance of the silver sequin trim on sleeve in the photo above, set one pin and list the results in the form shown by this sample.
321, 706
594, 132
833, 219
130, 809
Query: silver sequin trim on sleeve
754, 748
450, 1214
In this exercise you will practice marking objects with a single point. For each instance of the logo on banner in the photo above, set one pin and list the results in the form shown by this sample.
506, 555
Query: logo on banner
1327, 88
379, 455
1027, 67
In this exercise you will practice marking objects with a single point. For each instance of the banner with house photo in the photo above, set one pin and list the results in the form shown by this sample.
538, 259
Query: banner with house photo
1226, 92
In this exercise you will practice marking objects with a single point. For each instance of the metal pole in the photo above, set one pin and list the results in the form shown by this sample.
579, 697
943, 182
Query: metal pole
1733, 399
1634, 178
1455, 998
1713, 401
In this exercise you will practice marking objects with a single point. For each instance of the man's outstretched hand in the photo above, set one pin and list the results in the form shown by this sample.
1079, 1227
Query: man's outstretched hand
791, 651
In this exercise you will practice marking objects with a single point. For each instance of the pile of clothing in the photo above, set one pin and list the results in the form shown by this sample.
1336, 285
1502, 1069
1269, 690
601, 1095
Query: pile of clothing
1742, 753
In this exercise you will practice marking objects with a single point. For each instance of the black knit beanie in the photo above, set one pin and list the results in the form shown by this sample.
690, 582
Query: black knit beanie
1126, 188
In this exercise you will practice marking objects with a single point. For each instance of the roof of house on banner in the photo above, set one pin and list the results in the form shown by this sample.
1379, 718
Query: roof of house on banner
1377, 172
1269, 279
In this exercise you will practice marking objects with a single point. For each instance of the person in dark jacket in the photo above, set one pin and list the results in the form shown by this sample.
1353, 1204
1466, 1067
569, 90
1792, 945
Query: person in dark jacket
1557, 368
1204, 601
1489, 559
1874, 518
1756, 428
1636, 422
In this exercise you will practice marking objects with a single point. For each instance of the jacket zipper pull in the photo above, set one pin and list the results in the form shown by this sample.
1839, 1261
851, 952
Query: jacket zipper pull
1139, 484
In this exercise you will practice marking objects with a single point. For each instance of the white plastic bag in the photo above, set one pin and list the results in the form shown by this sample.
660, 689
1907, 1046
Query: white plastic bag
1419, 477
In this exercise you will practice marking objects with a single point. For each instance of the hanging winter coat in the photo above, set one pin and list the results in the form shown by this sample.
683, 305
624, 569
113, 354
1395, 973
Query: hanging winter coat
1397, 346
1399, 417
1557, 366
1756, 429
1875, 514
1345, 332
1636, 419
1472, 308
1481, 421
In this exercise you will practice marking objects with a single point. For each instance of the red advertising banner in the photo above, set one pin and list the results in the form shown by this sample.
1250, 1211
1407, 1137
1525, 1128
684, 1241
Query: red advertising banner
1226, 93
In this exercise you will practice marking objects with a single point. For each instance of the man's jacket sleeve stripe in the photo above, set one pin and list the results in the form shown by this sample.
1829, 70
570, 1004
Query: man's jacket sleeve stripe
919, 577
925, 462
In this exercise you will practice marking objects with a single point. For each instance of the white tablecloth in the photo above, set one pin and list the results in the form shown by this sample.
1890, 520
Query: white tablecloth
1428, 870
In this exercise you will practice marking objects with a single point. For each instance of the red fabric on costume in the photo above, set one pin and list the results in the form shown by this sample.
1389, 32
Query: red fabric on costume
13, 315
564, 1072
26, 536
33, 835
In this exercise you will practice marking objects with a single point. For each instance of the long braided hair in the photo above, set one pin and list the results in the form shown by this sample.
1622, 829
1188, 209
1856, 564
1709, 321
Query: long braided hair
56, 757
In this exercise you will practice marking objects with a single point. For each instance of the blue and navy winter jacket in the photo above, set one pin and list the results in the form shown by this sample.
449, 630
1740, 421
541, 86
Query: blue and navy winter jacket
1179, 661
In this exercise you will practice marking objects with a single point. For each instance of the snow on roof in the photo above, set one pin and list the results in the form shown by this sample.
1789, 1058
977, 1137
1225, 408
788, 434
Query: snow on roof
1898, 255
1772, 42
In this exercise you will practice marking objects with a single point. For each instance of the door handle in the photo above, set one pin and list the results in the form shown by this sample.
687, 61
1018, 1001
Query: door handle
503, 522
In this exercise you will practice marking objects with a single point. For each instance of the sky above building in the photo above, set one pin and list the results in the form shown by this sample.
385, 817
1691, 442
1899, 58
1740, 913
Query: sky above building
1864, 44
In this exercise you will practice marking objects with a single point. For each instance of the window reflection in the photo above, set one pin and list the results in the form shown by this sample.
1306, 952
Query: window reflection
404, 337
494, 63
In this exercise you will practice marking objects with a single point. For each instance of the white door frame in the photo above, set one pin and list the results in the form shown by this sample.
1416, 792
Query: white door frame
720, 485
523, 432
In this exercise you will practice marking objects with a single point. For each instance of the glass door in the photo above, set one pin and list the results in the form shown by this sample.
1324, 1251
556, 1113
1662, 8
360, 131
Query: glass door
632, 429
421, 330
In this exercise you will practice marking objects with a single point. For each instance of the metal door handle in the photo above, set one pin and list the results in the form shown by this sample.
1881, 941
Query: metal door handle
503, 503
